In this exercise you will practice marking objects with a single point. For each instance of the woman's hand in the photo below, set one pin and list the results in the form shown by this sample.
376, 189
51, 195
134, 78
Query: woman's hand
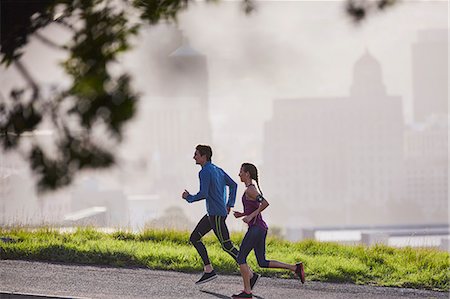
247, 218
237, 214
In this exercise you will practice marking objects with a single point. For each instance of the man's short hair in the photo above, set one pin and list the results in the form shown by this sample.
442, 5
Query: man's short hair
204, 150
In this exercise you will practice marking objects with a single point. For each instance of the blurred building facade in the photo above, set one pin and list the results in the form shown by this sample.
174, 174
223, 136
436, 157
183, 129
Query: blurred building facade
350, 160
430, 74
426, 138
19, 202
426, 169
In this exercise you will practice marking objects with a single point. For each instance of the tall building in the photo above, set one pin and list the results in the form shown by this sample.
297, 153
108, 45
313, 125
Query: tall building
426, 169
177, 115
426, 138
430, 74
336, 161
173, 117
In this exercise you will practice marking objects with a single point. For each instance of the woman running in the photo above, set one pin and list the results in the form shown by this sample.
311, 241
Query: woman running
255, 238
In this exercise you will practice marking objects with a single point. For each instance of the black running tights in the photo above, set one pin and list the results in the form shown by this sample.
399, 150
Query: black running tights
217, 224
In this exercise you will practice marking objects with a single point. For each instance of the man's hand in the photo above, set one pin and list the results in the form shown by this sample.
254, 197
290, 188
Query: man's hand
228, 210
185, 194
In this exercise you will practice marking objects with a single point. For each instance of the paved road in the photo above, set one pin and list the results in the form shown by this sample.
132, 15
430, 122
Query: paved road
67, 280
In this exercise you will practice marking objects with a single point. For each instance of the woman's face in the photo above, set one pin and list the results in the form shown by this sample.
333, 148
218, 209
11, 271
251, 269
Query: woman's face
243, 175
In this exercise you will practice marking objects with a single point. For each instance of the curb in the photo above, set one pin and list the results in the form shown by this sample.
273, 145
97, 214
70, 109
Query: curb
18, 295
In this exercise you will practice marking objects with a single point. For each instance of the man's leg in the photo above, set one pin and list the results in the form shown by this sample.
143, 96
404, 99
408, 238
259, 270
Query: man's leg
202, 228
221, 231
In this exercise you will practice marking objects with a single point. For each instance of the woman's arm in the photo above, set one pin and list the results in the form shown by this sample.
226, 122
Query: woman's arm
238, 214
264, 204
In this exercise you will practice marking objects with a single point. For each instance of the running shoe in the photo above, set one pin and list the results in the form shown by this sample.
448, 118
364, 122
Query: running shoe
242, 294
254, 279
207, 277
300, 271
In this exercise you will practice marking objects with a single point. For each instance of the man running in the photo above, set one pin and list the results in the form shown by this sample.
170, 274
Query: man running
213, 182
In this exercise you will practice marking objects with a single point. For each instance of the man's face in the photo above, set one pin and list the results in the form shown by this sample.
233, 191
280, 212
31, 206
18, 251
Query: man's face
199, 159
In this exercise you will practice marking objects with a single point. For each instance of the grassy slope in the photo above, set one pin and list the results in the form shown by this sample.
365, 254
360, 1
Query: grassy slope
170, 250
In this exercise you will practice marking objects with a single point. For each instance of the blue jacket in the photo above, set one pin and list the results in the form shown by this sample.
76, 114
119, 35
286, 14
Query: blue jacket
213, 182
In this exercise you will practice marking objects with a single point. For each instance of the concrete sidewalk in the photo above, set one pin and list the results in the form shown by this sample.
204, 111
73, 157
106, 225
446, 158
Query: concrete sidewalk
80, 281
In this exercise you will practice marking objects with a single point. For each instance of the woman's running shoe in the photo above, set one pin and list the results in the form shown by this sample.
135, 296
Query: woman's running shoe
242, 294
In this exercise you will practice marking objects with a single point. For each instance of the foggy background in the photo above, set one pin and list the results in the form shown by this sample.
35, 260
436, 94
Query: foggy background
347, 124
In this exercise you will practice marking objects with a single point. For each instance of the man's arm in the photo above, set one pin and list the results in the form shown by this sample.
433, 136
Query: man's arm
205, 178
232, 190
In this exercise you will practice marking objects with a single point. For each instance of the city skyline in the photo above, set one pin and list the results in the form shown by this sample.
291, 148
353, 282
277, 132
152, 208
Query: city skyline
250, 67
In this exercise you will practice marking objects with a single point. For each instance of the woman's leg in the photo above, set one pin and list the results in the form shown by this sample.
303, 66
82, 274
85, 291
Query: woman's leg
246, 246
246, 275
280, 265
260, 252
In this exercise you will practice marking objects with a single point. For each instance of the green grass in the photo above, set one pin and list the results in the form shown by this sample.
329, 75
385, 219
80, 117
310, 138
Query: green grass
171, 250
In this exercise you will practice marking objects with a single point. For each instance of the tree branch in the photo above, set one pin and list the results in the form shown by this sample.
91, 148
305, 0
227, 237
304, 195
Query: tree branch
48, 42
60, 21
24, 72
